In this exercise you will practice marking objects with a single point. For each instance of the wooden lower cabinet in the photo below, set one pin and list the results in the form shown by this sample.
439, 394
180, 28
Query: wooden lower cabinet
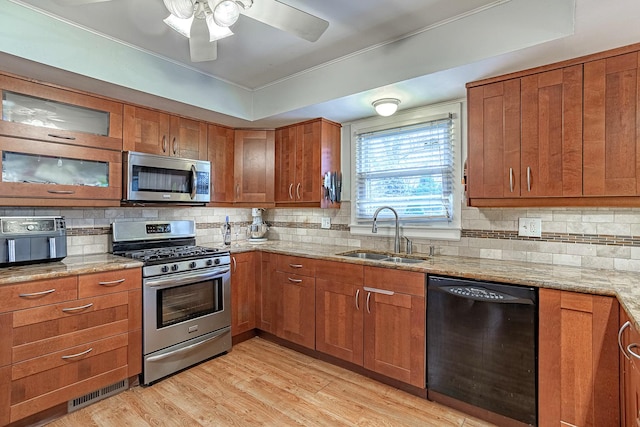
373, 317
74, 336
243, 292
578, 368
629, 372
295, 320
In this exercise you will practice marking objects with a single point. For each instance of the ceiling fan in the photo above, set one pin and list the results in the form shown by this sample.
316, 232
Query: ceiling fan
206, 21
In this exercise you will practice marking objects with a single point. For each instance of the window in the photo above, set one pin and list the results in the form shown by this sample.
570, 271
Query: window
410, 163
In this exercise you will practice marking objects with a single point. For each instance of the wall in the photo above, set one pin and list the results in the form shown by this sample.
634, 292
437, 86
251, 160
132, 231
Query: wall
598, 238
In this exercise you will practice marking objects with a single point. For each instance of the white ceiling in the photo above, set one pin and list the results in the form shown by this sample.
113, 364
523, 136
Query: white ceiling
421, 51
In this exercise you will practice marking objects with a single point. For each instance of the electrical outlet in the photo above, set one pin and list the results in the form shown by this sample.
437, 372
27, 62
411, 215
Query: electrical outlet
530, 227
326, 222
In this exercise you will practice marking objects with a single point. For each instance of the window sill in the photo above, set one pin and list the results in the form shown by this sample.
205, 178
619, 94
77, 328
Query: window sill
431, 232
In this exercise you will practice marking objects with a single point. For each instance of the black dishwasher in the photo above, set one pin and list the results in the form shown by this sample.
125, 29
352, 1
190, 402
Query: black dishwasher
482, 347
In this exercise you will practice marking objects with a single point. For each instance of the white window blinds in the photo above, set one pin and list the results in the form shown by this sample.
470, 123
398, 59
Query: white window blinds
410, 168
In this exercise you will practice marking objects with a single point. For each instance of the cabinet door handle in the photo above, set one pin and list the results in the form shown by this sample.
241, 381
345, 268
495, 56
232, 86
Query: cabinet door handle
528, 178
622, 328
37, 294
112, 282
358, 299
68, 138
234, 264
511, 179
164, 143
72, 356
295, 280
290, 191
237, 191
175, 145
631, 352
298, 191
368, 299
73, 309
61, 191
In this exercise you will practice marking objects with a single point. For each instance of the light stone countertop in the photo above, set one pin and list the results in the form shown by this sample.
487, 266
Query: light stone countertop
69, 266
623, 285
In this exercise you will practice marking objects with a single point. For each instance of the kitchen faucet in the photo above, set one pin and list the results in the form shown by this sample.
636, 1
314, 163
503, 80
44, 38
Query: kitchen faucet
374, 227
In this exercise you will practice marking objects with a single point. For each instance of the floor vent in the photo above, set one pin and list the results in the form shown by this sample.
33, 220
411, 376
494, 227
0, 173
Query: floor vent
94, 396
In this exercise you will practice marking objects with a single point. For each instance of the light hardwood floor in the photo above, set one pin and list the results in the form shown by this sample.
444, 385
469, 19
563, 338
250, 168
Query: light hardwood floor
262, 383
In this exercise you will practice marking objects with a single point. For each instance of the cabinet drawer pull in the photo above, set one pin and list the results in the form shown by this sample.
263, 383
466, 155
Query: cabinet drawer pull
620, 332
358, 299
295, 265
37, 294
295, 280
631, 352
69, 138
511, 179
290, 189
528, 178
61, 191
71, 356
298, 191
112, 283
82, 307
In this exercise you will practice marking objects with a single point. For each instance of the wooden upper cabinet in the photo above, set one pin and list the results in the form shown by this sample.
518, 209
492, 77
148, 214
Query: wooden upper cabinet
44, 112
304, 153
551, 141
494, 140
574, 126
221, 155
253, 167
612, 126
155, 132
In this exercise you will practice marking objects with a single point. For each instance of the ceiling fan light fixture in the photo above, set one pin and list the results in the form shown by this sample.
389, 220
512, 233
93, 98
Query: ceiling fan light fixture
225, 12
216, 32
182, 26
182, 9
386, 106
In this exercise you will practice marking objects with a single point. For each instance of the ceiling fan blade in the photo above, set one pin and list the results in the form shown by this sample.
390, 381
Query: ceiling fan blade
287, 18
200, 48
77, 2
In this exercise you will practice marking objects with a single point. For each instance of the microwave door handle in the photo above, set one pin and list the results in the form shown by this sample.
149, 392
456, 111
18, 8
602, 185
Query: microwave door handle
194, 182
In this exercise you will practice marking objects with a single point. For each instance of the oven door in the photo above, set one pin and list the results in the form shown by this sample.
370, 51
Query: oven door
154, 178
181, 307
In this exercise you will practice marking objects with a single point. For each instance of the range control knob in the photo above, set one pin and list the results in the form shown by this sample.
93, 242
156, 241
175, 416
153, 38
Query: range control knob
217, 261
31, 227
174, 267
192, 264
165, 268
209, 262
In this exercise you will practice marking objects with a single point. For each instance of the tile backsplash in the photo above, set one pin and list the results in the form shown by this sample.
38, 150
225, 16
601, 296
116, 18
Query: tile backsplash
605, 238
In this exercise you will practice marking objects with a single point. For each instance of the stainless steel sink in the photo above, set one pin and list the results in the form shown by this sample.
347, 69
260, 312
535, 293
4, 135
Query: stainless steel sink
376, 256
365, 255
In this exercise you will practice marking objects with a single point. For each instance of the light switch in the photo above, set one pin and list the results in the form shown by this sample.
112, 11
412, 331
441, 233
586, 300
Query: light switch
326, 222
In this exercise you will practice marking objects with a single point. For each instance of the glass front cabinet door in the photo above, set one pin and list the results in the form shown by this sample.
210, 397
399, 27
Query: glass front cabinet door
38, 111
39, 173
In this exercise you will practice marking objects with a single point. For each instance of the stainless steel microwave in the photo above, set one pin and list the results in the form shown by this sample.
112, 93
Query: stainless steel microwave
152, 178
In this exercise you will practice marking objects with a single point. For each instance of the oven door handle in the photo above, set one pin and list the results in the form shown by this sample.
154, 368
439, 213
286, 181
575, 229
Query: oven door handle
171, 280
189, 347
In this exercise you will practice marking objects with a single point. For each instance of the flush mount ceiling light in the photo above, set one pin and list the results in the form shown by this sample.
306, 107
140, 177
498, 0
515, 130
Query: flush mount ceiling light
386, 106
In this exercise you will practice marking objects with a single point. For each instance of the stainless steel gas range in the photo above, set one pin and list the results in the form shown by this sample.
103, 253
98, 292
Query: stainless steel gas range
186, 297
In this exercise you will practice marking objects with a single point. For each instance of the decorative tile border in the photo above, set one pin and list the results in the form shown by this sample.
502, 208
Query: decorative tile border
589, 239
